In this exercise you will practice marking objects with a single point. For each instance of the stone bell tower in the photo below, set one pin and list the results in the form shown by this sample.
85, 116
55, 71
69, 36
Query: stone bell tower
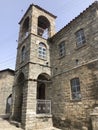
32, 87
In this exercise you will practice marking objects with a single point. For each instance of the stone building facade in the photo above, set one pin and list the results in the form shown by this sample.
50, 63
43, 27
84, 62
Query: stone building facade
56, 75
74, 59
32, 91
6, 83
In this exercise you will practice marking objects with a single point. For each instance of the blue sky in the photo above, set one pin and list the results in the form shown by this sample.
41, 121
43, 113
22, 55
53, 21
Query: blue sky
11, 12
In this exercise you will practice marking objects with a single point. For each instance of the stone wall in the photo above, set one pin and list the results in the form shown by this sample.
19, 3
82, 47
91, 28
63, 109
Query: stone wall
6, 83
86, 21
66, 111
94, 118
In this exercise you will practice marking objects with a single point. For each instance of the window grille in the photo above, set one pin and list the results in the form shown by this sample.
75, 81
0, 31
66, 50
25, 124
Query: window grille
42, 51
62, 49
80, 37
75, 89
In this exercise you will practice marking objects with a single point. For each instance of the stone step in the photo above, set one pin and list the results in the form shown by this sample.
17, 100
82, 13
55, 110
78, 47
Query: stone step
51, 128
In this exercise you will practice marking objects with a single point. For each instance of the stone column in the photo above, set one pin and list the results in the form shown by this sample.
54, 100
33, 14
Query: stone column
31, 106
94, 117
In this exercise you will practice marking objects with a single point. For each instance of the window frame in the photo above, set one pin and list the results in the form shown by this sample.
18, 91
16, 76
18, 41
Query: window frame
23, 54
80, 38
42, 51
75, 89
61, 47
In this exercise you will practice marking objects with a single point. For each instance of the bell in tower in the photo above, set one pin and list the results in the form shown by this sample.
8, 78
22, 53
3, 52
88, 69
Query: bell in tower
43, 27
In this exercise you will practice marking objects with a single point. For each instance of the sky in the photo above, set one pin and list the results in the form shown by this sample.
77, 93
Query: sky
11, 12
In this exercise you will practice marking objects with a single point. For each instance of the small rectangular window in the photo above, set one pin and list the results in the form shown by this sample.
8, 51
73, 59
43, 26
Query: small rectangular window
80, 37
75, 89
62, 49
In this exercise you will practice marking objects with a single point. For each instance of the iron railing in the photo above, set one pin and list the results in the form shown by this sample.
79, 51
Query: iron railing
43, 107
43, 32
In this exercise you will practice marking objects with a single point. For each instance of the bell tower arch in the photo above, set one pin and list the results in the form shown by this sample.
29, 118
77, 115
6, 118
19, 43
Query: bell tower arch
36, 26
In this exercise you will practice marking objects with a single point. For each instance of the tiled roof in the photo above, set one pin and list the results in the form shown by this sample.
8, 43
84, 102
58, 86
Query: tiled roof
38, 8
90, 6
9, 70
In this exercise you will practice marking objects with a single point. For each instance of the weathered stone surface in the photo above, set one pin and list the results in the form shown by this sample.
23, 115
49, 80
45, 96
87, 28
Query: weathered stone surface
66, 111
56, 72
94, 117
5, 125
6, 83
33, 72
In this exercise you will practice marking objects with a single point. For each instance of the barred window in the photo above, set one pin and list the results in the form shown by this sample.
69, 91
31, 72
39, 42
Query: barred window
80, 37
75, 88
42, 51
62, 49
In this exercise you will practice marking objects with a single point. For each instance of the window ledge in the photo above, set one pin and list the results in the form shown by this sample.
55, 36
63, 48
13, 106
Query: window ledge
42, 59
79, 47
75, 100
61, 57
43, 115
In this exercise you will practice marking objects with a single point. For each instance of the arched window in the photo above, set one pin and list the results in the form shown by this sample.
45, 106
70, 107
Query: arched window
75, 89
25, 28
23, 54
42, 51
43, 27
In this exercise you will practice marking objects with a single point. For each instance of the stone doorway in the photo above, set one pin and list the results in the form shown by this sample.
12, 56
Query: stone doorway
8, 103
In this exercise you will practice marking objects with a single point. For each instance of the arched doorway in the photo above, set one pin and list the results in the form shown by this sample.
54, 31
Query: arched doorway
43, 100
19, 97
8, 103
41, 91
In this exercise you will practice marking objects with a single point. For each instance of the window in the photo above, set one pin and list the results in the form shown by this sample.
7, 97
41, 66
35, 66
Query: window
8, 103
23, 54
62, 49
75, 89
25, 28
42, 51
80, 38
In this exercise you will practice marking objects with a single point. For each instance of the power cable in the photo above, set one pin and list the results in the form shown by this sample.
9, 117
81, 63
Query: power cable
5, 61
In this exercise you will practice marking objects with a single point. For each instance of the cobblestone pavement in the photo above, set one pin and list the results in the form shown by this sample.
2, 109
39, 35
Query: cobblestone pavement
5, 125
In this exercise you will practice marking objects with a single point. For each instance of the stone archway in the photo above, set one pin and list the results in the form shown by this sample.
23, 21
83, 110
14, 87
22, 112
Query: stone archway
19, 97
43, 27
8, 103
43, 100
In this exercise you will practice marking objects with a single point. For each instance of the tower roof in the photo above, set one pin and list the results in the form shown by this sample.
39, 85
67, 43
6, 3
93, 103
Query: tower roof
39, 9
